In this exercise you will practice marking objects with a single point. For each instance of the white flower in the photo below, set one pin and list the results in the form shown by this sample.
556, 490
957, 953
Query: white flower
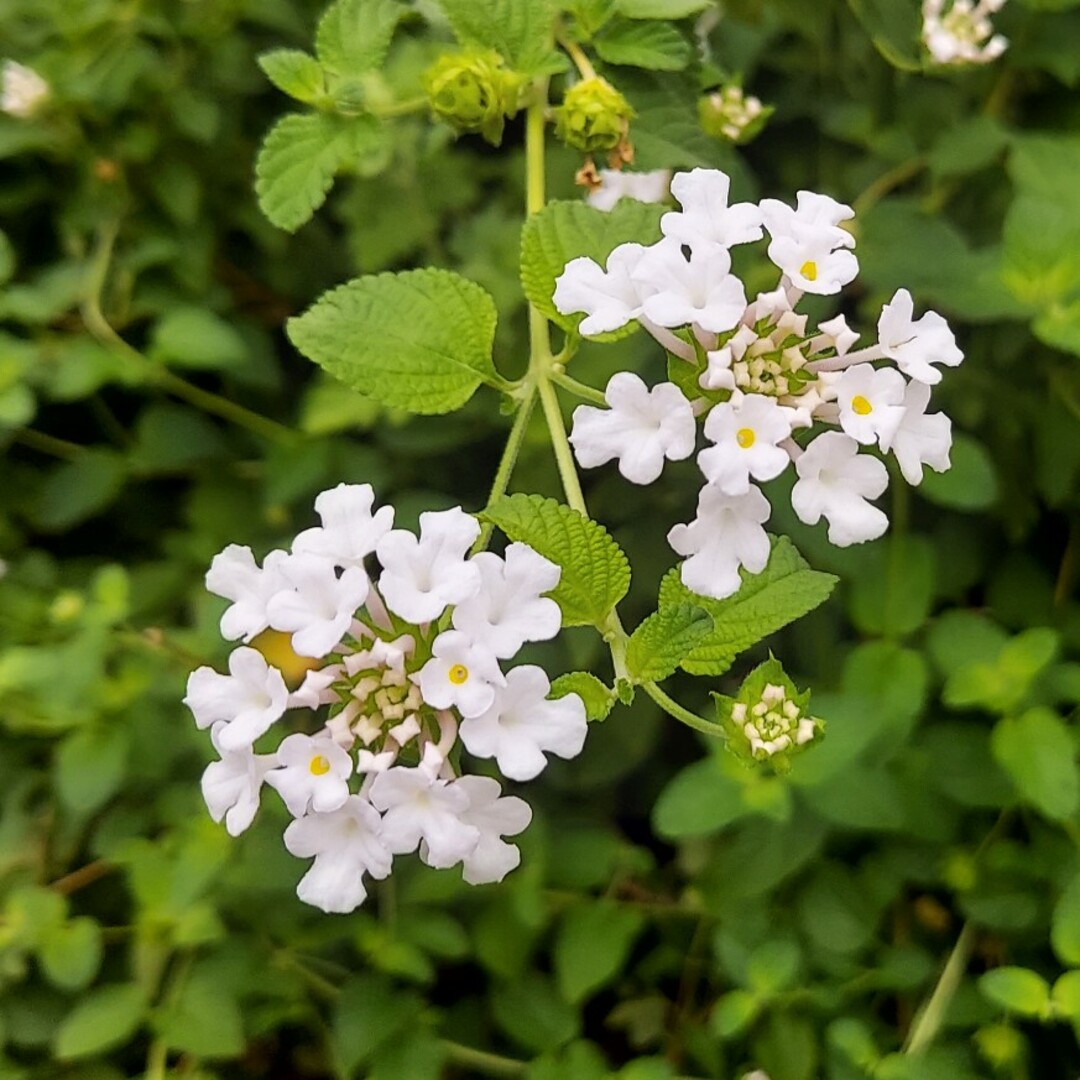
319, 606
610, 298
920, 439
699, 291
313, 774
521, 724
246, 701
459, 673
811, 210
807, 243
871, 402
421, 809
647, 187
346, 844
835, 481
725, 535
349, 531
836, 334
510, 609
916, 345
421, 577
706, 219
231, 786
22, 90
493, 818
747, 431
235, 575
963, 35
641, 429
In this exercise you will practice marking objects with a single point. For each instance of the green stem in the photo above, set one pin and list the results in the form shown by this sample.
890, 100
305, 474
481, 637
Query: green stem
888, 181
49, 444
481, 1061
587, 393
510, 455
98, 325
931, 1016
564, 456
400, 108
673, 708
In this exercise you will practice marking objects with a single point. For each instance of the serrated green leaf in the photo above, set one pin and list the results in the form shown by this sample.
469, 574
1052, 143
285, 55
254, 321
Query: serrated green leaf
661, 9
354, 35
521, 30
104, 1018
1037, 752
664, 640
592, 945
419, 341
1017, 989
70, 954
598, 699
595, 571
567, 230
655, 46
296, 166
784, 591
296, 73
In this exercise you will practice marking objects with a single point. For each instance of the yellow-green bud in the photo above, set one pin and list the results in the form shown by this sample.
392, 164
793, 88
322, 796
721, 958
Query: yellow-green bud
593, 117
474, 91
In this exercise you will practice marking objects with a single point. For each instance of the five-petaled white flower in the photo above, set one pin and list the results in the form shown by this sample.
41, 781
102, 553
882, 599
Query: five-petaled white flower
235, 575
746, 430
916, 344
920, 439
871, 402
706, 219
460, 674
699, 291
231, 786
616, 184
493, 817
313, 774
349, 531
609, 297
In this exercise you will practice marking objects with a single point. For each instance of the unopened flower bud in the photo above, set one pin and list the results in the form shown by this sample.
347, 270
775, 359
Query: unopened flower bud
729, 114
593, 117
474, 91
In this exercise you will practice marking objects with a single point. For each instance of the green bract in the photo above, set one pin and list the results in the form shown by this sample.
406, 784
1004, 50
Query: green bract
593, 117
474, 91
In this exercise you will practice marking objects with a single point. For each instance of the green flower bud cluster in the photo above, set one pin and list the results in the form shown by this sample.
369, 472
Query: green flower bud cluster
732, 116
474, 91
593, 117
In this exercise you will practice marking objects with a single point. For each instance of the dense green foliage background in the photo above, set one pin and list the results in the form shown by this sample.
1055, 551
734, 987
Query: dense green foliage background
675, 912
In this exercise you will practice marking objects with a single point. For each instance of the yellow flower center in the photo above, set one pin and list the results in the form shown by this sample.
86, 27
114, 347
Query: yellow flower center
319, 765
809, 270
861, 406
745, 437
458, 674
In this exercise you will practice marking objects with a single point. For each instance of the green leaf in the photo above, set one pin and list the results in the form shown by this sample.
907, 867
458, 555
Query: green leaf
773, 966
1065, 924
7, 259
894, 28
90, 767
655, 46
70, 954
784, 591
79, 489
592, 944
734, 1013
568, 230
354, 35
295, 73
700, 800
595, 571
370, 1012
1066, 996
1037, 752
598, 699
521, 30
296, 166
104, 1018
1016, 989
664, 640
533, 1014
892, 592
971, 481
203, 1019
661, 9
1001, 683
196, 338
968, 146
419, 341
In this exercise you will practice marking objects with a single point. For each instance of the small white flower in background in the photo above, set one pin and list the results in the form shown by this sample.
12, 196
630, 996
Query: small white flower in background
22, 90
835, 482
609, 297
706, 219
376, 775
313, 774
646, 187
726, 534
231, 786
421, 577
959, 32
732, 114
916, 345
746, 430
521, 724
920, 439
246, 702
871, 402
641, 429
699, 291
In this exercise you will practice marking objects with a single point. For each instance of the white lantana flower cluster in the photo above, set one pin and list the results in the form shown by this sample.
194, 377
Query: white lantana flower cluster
959, 32
757, 373
409, 665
